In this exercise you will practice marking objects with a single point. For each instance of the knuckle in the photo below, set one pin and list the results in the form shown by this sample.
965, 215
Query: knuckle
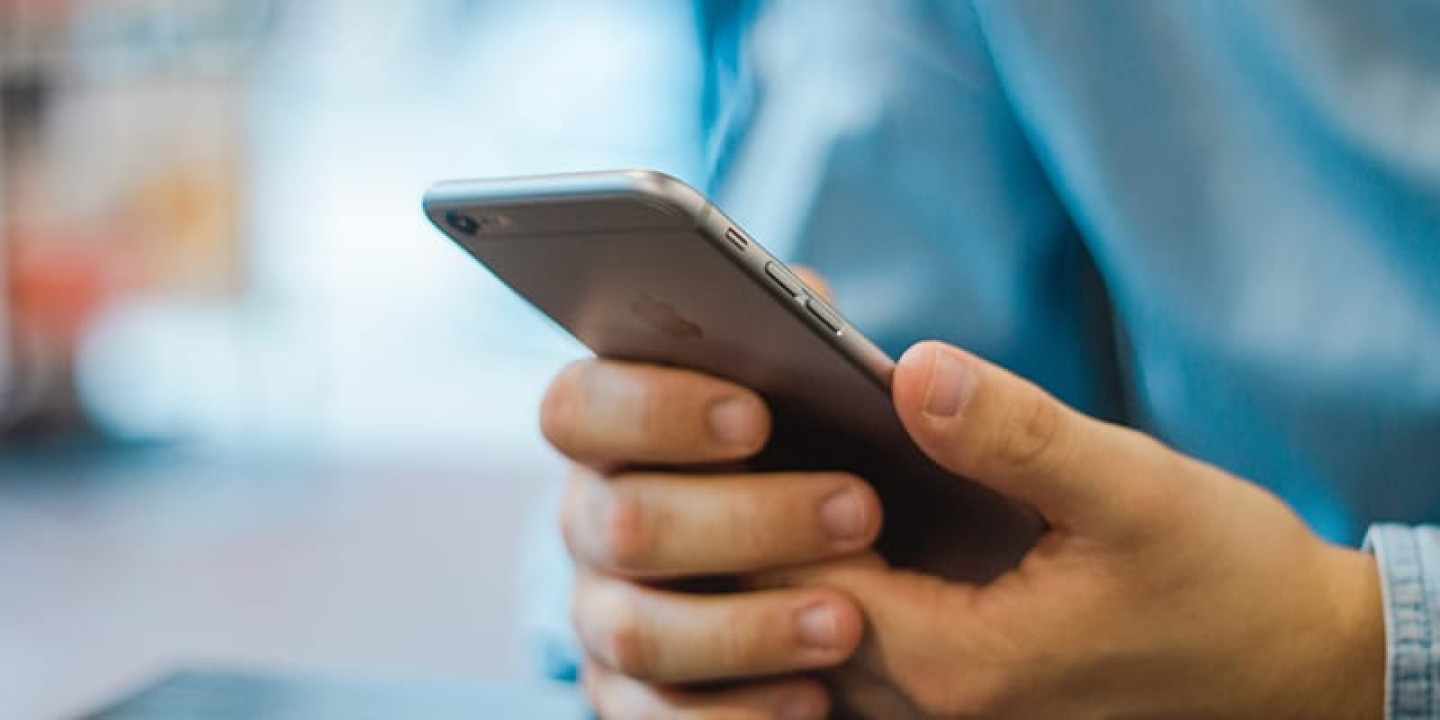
1030, 438
1160, 486
569, 514
985, 690
659, 406
626, 641
627, 538
743, 646
736, 649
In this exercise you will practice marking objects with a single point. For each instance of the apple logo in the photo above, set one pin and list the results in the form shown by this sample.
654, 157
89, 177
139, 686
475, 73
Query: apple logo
663, 318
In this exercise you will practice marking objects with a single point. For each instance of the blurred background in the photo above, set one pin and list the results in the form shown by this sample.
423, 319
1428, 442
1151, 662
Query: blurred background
253, 410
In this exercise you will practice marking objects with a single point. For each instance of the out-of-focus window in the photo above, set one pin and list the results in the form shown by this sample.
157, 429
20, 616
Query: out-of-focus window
211, 223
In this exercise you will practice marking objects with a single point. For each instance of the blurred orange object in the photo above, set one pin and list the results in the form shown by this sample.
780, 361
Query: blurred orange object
117, 183
56, 286
36, 9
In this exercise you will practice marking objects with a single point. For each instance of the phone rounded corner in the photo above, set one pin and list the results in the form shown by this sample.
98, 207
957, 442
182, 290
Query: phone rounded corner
666, 190
430, 208
440, 198
430, 201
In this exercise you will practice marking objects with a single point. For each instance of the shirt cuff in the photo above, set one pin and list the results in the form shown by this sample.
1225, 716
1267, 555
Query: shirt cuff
1409, 561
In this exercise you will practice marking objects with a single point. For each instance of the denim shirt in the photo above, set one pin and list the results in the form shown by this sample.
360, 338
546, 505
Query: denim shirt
1218, 222
1215, 221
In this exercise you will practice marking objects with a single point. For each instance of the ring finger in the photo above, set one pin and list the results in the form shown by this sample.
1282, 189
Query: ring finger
675, 638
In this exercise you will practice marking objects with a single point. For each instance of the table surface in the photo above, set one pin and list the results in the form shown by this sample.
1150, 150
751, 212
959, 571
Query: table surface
118, 566
250, 695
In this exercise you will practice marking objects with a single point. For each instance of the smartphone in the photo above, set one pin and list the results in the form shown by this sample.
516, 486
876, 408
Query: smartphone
641, 267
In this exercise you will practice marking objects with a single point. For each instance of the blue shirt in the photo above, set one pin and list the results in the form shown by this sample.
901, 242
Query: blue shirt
1218, 222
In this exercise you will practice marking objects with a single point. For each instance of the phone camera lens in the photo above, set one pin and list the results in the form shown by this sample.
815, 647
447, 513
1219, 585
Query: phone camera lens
462, 223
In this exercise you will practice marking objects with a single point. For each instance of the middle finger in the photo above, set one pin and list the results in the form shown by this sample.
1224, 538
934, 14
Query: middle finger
660, 526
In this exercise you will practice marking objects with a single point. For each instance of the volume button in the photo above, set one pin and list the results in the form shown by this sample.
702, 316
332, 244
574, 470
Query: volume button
784, 279
825, 315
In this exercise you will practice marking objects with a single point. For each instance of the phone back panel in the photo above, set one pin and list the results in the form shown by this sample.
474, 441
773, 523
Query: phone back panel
639, 267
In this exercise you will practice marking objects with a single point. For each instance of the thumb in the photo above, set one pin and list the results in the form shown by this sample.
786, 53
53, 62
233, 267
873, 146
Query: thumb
981, 422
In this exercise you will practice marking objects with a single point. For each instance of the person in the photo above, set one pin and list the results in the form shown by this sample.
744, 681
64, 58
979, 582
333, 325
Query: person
1202, 237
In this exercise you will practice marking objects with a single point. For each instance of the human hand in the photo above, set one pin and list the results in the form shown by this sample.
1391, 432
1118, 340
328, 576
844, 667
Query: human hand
1163, 588
648, 505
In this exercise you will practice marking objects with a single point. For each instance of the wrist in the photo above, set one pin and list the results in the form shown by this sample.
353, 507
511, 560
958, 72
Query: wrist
1354, 686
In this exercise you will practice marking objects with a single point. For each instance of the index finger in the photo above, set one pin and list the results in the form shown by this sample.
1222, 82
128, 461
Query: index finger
602, 413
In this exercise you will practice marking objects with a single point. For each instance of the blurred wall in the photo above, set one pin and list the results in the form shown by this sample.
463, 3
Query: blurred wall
216, 215
260, 412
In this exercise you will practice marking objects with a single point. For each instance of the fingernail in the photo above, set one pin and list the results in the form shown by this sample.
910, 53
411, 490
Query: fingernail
951, 385
733, 423
844, 515
818, 626
801, 707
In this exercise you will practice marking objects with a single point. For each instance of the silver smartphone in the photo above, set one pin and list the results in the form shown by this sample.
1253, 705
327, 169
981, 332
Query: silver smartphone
641, 267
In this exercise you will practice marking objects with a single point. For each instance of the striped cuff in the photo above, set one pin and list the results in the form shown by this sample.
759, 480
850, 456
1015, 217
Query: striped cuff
1409, 560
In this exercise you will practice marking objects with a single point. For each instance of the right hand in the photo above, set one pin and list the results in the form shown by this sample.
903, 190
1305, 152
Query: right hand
653, 649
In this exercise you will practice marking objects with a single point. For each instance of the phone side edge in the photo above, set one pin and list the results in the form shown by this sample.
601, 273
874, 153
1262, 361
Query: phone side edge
852, 344
648, 184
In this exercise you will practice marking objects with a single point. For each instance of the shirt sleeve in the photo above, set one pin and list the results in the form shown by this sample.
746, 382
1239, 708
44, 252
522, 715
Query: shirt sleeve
1409, 560
547, 582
